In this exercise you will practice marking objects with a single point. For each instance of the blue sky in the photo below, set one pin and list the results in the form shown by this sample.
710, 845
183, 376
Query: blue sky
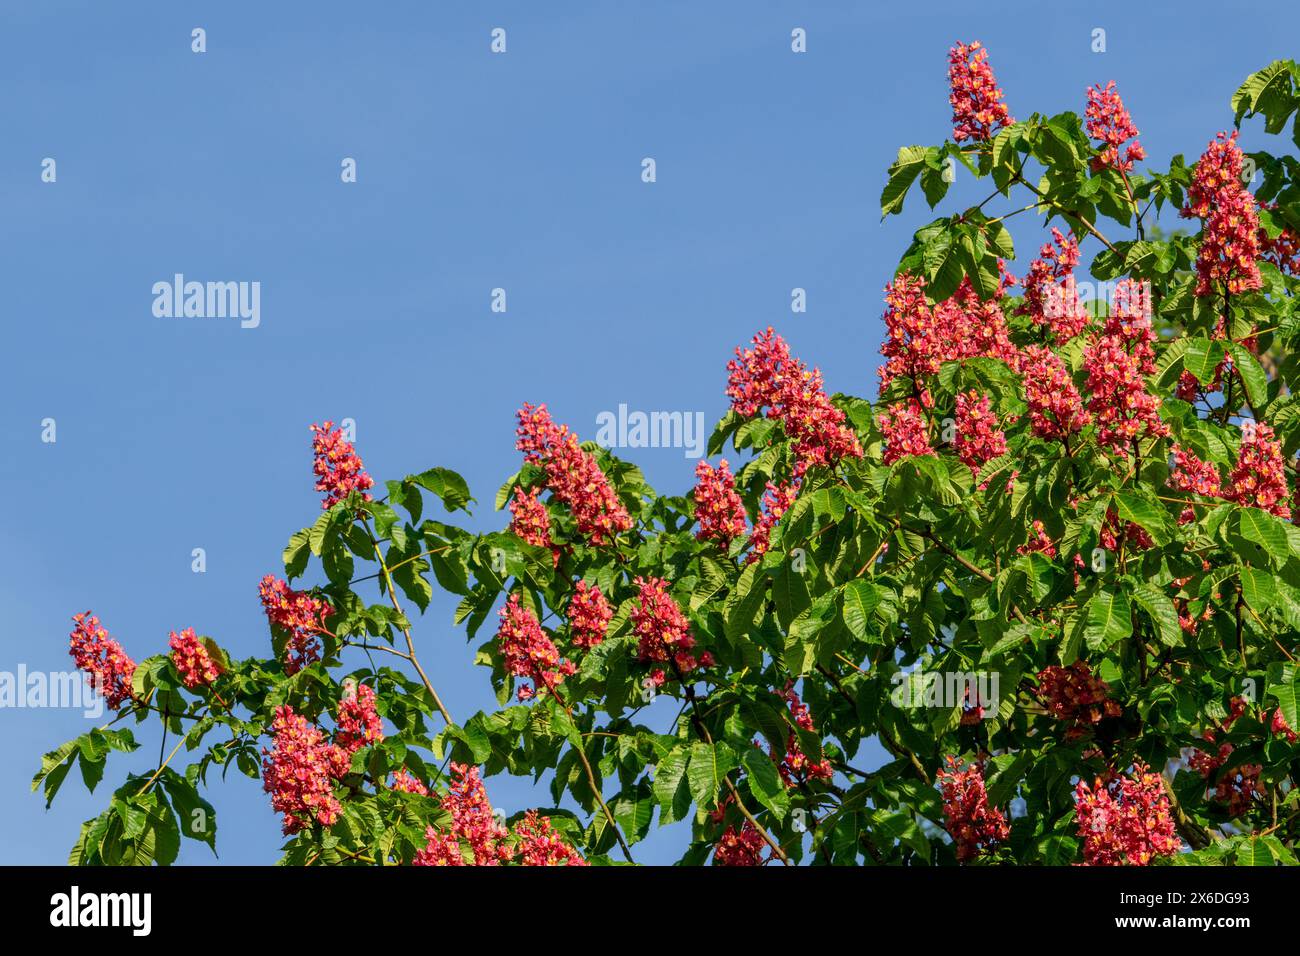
475, 171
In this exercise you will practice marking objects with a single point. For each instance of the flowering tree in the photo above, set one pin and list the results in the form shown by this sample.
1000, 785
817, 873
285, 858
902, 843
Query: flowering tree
1079, 505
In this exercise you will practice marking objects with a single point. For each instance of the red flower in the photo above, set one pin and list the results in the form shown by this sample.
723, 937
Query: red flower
1075, 695
1055, 409
718, 509
1051, 297
979, 439
589, 616
529, 520
796, 767
539, 844
300, 615
572, 475
1109, 122
1228, 260
907, 433
743, 848
777, 500
1041, 542
662, 630
1125, 821
977, 107
299, 772
358, 722
406, 782
1259, 478
472, 824
192, 660
1116, 363
527, 652
974, 826
337, 467
107, 666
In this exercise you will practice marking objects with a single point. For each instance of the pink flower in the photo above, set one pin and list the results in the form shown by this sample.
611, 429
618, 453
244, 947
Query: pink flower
572, 475
299, 772
777, 500
662, 630
1040, 542
1116, 363
1228, 259
529, 520
406, 782
540, 845
589, 616
1055, 408
1192, 474
472, 824
108, 668
766, 376
796, 767
718, 509
1051, 297
979, 439
977, 107
1125, 821
1259, 478
338, 468
359, 723
192, 660
1109, 122
907, 433
527, 652
974, 826
300, 615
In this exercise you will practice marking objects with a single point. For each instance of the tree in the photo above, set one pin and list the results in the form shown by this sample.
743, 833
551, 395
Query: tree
1054, 570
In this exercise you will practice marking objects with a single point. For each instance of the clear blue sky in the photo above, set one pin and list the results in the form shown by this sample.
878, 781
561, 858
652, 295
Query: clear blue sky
476, 171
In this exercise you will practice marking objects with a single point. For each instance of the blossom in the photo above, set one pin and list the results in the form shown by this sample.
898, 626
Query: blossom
299, 772
978, 110
1228, 259
796, 767
1125, 821
1075, 695
473, 825
974, 826
1115, 364
742, 847
718, 509
1111, 534
1055, 409
1258, 480
978, 438
572, 475
527, 652
1109, 122
662, 630
1191, 474
540, 845
337, 467
1040, 542
529, 520
906, 431
406, 782
108, 668
589, 616
301, 616
1051, 297
358, 722
1279, 726
777, 500
192, 660
766, 377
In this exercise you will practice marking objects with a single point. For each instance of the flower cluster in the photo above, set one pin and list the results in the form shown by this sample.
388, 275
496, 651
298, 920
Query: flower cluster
1116, 363
718, 509
1055, 409
589, 616
529, 520
572, 474
107, 666
538, 844
920, 337
1259, 478
358, 721
777, 500
1039, 542
1110, 123
1125, 821
337, 467
906, 431
766, 376
527, 652
192, 660
301, 616
300, 770
1228, 259
1076, 695
662, 631
796, 767
473, 825
978, 437
406, 782
974, 826
1113, 533
978, 110
1051, 297
743, 847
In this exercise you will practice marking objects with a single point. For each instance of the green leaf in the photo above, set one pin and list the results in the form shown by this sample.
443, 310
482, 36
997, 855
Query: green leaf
765, 782
902, 173
1109, 619
1160, 608
447, 485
